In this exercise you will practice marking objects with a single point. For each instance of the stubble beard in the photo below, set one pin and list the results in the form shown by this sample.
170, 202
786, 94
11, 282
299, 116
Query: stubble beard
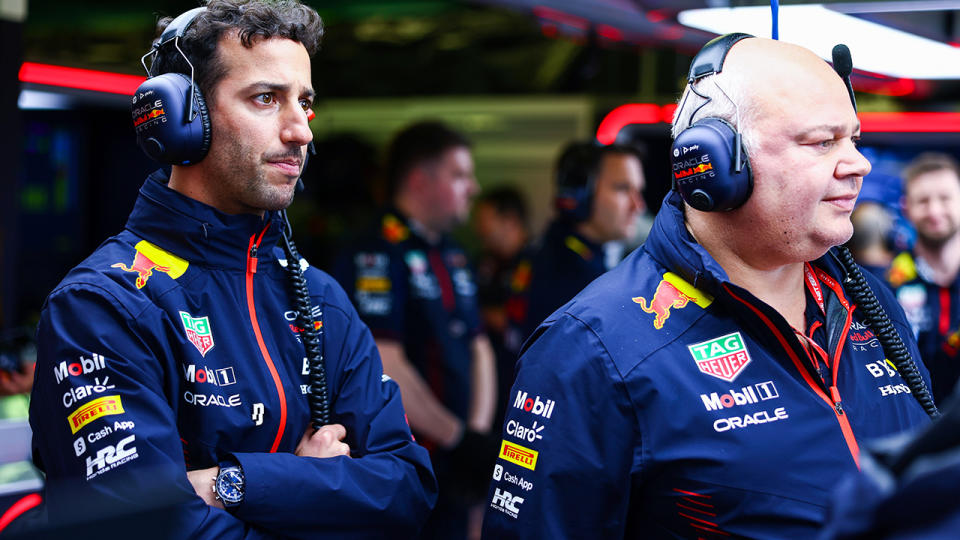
935, 243
245, 173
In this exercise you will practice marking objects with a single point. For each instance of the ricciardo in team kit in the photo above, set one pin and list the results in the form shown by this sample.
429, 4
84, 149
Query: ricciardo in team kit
171, 390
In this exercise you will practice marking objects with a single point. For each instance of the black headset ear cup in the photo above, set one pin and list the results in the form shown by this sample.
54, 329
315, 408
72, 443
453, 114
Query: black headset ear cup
704, 159
161, 109
574, 183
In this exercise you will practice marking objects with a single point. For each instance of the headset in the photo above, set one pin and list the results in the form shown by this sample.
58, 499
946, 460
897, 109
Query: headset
711, 172
576, 169
169, 113
173, 127
711, 169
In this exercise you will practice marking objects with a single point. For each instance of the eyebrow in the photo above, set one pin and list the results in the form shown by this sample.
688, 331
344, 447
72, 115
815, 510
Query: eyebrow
279, 88
829, 128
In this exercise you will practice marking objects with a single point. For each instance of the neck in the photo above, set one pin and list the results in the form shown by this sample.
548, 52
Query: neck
411, 209
193, 182
779, 285
943, 259
589, 230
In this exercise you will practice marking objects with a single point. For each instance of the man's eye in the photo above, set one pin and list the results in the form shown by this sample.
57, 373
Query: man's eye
305, 104
264, 99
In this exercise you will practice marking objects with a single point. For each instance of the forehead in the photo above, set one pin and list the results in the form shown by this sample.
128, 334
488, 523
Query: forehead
276, 60
803, 100
457, 156
933, 181
618, 166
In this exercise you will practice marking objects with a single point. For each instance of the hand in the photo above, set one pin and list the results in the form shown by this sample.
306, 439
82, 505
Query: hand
17, 382
203, 481
323, 442
471, 463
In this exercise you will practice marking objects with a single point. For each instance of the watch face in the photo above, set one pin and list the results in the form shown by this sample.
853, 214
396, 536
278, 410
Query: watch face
230, 486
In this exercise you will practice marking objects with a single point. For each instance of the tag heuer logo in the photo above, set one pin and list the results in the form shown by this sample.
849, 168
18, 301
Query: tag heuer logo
198, 332
723, 357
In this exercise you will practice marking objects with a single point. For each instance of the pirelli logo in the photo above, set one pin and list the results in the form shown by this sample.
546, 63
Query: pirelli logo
97, 408
522, 456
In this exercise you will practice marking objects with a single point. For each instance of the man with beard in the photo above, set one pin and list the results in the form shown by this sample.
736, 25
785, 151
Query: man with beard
174, 364
925, 279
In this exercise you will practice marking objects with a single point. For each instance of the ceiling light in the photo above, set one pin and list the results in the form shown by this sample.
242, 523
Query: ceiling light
874, 47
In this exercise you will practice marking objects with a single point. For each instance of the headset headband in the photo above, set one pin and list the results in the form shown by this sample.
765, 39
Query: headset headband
710, 58
178, 26
173, 32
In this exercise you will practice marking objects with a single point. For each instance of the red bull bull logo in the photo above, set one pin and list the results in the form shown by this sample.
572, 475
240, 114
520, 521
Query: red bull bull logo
149, 258
672, 292
699, 169
147, 117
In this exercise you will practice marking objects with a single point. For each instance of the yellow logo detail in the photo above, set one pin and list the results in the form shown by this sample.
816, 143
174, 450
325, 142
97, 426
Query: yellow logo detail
373, 284
88, 412
522, 456
578, 247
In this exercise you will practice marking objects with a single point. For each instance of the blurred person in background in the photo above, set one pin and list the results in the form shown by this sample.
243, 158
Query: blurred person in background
926, 278
414, 288
501, 224
177, 365
870, 243
598, 200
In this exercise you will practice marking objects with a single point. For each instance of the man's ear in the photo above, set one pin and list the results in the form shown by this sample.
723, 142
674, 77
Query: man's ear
418, 179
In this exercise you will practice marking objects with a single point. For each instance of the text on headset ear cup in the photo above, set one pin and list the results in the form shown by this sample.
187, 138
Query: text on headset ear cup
160, 117
704, 170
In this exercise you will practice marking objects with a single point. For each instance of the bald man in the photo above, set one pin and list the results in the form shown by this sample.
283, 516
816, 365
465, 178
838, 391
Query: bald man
719, 381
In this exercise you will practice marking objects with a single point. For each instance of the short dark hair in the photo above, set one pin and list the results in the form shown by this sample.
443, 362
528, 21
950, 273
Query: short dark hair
928, 162
506, 201
417, 144
252, 19
580, 161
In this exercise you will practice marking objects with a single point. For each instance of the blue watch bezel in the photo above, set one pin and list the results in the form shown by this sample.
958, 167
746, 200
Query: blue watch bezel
230, 495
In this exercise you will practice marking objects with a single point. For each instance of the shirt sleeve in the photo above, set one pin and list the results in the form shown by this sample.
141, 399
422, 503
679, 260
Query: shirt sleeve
376, 282
566, 461
385, 489
104, 429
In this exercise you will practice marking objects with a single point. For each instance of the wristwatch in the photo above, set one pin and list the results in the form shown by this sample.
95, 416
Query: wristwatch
228, 485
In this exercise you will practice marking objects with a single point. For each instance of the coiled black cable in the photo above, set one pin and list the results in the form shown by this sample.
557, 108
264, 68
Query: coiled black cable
318, 396
880, 324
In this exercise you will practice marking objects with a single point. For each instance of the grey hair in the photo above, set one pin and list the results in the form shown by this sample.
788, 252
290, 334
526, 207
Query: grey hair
723, 97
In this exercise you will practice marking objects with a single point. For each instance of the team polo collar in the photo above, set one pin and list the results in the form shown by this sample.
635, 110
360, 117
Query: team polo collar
195, 231
672, 246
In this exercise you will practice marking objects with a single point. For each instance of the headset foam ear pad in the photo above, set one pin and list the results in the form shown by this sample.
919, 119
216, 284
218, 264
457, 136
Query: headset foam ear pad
204, 117
704, 168
160, 117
